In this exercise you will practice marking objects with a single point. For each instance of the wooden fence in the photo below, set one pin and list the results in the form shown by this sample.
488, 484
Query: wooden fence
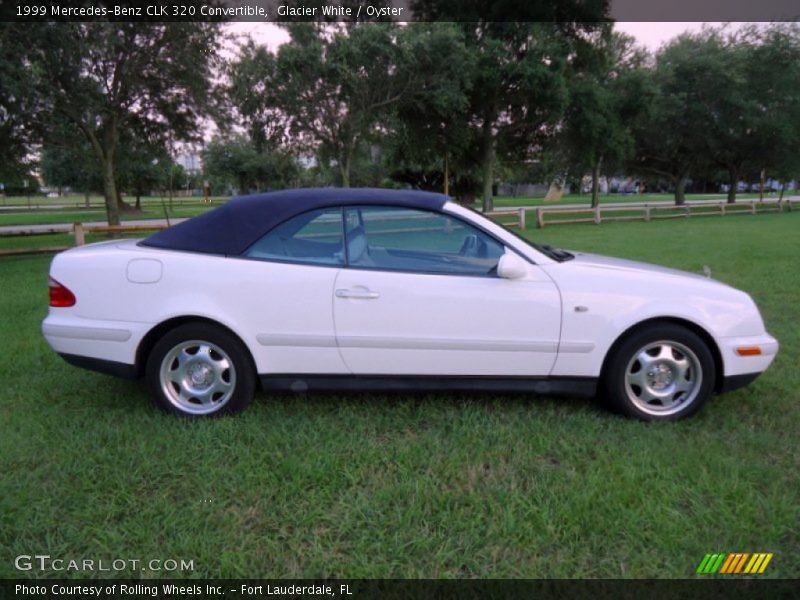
629, 212
79, 230
636, 211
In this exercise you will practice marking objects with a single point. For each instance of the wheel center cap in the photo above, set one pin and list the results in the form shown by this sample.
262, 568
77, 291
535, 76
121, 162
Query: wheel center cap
200, 375
660, 376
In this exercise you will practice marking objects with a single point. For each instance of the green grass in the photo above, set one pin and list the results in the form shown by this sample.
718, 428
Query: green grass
444, 485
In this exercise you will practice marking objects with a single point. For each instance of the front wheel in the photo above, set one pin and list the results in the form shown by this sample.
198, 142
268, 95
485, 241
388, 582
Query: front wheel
664, 372
200, 369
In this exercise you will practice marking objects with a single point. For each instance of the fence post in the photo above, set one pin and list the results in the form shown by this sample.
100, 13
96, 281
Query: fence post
522, 218
646, 212
597, 214
539, 218
722, 209
80, 234
753, 206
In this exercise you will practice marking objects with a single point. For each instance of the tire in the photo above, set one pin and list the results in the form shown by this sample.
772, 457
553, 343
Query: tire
663, 372
200, 370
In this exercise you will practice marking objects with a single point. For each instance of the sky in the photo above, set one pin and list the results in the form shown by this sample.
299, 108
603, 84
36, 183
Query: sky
651, 35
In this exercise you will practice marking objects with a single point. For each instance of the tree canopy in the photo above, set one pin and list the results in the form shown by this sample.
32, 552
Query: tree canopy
452, 105
104, 78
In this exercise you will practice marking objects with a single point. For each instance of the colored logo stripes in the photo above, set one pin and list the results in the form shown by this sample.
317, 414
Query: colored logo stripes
735, 563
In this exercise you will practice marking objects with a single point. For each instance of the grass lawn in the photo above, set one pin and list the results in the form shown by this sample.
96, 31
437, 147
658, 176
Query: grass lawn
369, 485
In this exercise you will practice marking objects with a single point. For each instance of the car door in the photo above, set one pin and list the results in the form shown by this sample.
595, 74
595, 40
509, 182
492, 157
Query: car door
420, 296
285, 286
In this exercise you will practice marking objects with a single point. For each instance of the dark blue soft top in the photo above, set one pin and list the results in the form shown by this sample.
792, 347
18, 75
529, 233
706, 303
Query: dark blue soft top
233, 227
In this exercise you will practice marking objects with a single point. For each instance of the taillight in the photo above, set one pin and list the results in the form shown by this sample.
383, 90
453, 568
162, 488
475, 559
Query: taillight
60, 296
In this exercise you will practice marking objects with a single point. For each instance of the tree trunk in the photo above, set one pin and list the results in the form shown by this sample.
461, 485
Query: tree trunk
110, 191
680, 189
733, 179
783, 187
86, 199
446, 176
488, 165
345, 163
596, 182
138, 200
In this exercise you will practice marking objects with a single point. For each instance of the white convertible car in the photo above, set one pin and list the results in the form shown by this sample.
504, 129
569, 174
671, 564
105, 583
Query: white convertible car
376, 289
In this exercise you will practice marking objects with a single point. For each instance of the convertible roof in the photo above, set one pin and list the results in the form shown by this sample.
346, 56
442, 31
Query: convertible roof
233, 227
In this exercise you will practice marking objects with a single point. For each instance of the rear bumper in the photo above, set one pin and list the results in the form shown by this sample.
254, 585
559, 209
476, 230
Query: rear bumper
95, 340
109, 367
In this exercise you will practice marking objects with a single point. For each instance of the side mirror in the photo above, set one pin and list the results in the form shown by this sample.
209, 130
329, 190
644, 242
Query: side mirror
511, 266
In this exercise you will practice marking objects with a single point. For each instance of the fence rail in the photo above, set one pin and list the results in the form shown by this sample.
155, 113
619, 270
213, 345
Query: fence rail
79, 230
643, 211
19, 204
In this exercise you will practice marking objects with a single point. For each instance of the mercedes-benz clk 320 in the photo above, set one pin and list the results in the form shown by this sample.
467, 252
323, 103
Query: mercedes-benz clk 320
375, 289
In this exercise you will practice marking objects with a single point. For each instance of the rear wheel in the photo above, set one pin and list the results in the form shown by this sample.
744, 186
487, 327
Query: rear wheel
663, 372
200, 369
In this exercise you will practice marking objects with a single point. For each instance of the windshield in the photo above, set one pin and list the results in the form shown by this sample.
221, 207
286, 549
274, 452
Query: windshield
549, 251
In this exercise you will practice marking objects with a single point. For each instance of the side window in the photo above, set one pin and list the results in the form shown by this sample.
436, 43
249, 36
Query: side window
314, 237
389, 238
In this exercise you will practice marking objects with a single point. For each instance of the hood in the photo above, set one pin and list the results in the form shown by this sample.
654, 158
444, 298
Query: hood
599, 261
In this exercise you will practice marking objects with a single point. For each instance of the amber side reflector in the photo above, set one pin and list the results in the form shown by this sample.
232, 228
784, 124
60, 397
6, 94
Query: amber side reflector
748, 351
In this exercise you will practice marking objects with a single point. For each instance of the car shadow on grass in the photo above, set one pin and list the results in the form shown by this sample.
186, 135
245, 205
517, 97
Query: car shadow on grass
444, 400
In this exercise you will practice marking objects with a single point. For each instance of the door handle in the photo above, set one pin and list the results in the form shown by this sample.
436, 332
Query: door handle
362, 294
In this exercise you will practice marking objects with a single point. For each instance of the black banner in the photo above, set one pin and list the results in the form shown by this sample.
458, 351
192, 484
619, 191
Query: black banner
707, 589
401, 10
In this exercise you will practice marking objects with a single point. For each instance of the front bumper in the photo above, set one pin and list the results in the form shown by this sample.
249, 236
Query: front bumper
734, 382
747, 356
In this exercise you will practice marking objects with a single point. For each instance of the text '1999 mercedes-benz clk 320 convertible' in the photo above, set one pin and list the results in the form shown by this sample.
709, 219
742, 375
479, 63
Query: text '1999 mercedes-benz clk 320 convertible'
392, 290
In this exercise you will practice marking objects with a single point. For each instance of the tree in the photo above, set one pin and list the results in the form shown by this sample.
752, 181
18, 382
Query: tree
771, 142
71, 165
726, 100
105, 78
328, 88
235, 161
18, 104
142, 167
692, 75
252, 95
607, 96
519, 91
430, 136
345, 84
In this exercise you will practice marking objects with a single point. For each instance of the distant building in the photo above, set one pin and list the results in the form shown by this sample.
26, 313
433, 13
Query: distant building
191, 162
